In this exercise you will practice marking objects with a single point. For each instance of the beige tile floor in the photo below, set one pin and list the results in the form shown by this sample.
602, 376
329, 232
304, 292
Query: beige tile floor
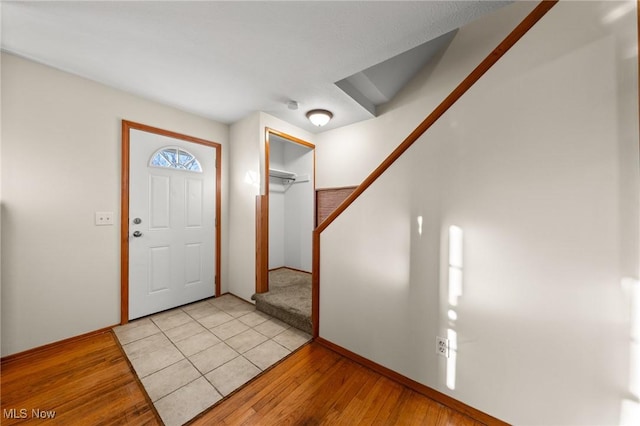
191, 357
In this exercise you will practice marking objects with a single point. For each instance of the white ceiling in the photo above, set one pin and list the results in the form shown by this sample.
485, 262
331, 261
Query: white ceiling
224, 60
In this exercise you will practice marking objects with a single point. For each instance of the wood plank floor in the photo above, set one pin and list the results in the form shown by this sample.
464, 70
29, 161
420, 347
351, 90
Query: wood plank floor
316, 386
89, 381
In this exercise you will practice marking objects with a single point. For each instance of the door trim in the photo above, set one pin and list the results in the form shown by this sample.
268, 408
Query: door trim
124, 207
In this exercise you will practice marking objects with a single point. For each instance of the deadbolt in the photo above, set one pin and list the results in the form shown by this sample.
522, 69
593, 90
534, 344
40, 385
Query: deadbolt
137, 221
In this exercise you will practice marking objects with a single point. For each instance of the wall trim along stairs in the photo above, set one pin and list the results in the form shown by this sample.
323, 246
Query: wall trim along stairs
527, 23
520, 30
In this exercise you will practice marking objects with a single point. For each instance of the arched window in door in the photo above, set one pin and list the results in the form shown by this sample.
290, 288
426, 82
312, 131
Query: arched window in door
175, 158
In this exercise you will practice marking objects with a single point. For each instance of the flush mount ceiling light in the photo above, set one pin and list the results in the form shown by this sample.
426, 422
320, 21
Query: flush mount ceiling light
319, 117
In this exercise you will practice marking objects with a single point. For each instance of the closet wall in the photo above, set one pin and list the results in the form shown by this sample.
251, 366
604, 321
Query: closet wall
291, 214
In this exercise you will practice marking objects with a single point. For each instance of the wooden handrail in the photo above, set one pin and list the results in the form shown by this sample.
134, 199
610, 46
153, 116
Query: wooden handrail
527, 23
447, 103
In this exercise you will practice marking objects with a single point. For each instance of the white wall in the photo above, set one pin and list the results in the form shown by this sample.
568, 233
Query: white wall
1, 208
291, 207
538, 165
299, 209
277, 229
244, 186
247, 158
60, 164
347, 155
276, 206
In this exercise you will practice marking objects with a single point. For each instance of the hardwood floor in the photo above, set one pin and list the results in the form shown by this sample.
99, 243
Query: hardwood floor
89, 381
317, 386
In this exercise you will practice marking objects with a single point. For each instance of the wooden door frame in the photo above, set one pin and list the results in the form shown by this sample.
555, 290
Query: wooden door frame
262, 209
124, 208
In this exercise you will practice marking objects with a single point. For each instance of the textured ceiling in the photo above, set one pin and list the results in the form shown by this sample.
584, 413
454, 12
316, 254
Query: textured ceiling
224, 60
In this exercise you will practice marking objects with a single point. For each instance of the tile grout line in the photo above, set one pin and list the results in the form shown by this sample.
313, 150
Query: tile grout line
239, 354
235, 311
203, 375
186, 358
200, 374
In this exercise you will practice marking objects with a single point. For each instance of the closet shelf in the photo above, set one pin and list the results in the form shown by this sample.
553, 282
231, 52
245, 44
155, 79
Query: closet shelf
282, 174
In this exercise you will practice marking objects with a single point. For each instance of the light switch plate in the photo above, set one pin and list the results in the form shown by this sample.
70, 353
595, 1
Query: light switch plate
104, 218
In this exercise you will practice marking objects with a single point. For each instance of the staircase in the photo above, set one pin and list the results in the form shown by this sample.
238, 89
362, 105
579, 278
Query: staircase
288, 298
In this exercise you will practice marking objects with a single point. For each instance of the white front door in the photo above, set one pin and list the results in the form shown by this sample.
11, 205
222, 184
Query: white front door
172, 196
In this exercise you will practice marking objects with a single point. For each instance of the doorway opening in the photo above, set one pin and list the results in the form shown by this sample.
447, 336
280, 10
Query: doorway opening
170, 220
285, 222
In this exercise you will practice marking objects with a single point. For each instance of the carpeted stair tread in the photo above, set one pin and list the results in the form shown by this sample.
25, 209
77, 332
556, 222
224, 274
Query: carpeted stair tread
288, 298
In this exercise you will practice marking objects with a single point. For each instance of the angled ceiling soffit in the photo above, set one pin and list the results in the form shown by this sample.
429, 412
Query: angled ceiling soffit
379, 83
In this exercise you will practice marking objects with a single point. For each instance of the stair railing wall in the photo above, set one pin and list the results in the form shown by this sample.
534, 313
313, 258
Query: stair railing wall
497, 226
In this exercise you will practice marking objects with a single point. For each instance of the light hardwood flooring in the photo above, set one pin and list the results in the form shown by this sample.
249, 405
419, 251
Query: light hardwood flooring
89, 381
316, 386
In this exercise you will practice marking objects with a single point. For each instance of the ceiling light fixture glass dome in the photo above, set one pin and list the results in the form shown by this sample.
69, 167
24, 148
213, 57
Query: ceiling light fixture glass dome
319, 117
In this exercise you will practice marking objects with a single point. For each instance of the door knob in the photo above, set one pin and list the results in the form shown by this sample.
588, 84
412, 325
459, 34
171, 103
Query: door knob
137, 234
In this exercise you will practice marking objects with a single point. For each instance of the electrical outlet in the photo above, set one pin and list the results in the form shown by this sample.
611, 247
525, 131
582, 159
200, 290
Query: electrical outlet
442, 347
104, 218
